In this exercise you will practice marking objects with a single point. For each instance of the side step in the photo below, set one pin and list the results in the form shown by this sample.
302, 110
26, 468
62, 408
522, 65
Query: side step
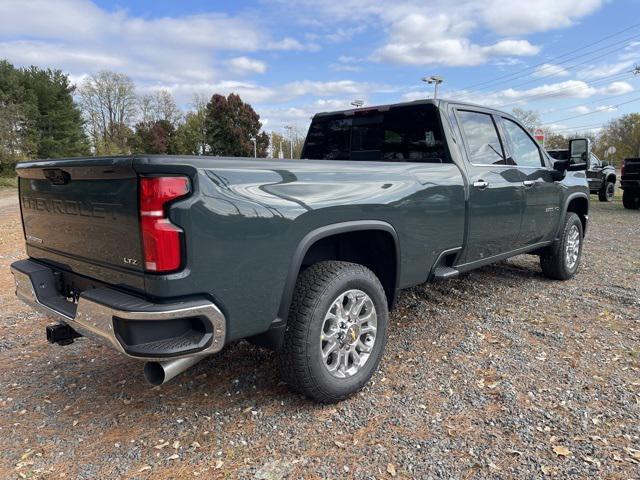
444, 273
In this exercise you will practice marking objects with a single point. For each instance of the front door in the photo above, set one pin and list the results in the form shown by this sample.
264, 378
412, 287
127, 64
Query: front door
594, 174
496, 199
541, 192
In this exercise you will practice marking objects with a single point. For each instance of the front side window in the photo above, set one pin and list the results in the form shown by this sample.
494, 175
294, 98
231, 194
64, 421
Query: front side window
595, 161
481, 137
525, 150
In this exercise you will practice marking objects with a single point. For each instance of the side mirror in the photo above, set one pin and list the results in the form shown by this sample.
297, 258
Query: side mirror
579, 154
605, 163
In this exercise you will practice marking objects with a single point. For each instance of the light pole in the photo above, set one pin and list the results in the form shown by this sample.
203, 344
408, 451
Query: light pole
435, 80
255, 147
289, 128
357, 103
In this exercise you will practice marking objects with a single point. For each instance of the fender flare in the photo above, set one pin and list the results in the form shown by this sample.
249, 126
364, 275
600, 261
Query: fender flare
565, 207
326, 231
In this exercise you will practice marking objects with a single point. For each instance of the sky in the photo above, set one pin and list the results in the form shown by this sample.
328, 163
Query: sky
570, 60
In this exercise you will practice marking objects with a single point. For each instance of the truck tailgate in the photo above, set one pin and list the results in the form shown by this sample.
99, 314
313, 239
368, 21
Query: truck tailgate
82, 212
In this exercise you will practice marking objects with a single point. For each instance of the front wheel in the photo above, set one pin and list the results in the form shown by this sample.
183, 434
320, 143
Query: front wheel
336, 331
561, 260
631, 199
607, 192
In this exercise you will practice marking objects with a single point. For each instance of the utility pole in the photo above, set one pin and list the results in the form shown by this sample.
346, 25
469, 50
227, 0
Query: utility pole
255, 147
289, 128
436, 80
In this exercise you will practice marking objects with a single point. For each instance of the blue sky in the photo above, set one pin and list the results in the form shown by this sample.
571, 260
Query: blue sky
293, 58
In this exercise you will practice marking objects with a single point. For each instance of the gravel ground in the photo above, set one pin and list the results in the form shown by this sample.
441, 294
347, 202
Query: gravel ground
498, 374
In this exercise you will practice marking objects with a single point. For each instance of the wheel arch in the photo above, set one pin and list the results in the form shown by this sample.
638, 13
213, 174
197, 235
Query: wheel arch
577, 203
313, 238
273, 338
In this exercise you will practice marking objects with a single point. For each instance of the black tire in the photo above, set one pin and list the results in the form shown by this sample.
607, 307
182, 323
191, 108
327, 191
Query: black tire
554, 261
631, 199
300, 358
607, 192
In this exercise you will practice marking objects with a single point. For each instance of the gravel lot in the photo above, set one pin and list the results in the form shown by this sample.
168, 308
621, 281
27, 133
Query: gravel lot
498, 374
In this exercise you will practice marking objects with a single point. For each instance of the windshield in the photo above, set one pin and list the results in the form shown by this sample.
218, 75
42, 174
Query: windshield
410, 133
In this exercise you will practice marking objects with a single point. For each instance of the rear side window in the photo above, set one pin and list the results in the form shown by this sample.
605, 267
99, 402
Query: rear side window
399, 134
525, 149
330, 139
481, 137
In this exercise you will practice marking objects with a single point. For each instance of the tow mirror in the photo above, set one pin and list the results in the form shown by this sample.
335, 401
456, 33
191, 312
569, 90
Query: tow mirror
579, 154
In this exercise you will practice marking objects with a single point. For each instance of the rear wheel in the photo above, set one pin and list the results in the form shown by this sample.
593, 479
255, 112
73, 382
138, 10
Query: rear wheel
631, 199
562, 260
607, 192
336, 331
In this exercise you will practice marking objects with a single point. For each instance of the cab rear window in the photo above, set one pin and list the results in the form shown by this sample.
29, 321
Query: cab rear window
410, 133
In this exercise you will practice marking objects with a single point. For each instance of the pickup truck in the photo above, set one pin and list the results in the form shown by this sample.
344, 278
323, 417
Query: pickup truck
630, 183
601, 175
167, 259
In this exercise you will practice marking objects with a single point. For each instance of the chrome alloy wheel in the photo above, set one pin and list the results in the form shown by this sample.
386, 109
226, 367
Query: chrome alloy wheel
348, 333
572, 247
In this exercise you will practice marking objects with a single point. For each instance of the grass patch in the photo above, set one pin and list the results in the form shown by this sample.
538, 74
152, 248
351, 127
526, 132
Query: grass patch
8, 182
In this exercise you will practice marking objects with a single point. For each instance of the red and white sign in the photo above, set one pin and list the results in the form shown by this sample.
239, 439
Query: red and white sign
538, 134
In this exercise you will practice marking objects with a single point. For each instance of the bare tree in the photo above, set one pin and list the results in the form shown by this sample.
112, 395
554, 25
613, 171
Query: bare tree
108, 102
159, 106
529, 118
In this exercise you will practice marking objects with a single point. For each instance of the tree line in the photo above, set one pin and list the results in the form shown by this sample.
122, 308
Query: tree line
44, 115
622, 133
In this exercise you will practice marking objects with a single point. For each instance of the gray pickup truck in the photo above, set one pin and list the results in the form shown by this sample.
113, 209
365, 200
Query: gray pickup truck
167, 259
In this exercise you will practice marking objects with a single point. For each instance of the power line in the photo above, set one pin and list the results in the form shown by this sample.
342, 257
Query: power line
591, 113
589, 60
509, 75
591, 126
552, 93
579, 104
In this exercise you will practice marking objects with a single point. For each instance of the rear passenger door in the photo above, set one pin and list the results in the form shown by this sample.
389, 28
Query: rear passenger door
496, 200
541, 193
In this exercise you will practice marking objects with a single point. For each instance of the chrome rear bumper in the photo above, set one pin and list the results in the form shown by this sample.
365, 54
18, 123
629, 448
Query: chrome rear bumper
99, 311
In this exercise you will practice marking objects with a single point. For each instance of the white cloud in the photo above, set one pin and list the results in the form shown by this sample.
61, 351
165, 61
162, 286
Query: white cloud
254, 93
617, 88
418, 39
550, 70
599, 71
581, 109
509, 17
82, 38
245, 65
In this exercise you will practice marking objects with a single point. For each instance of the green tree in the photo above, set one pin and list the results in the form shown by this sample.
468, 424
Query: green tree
59, 121
555, 141
38, 117
283, 143
191, 134
229, 126
623, 134
157, 137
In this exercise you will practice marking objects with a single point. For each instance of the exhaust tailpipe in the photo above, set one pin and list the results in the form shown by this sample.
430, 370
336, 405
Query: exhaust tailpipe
158, 373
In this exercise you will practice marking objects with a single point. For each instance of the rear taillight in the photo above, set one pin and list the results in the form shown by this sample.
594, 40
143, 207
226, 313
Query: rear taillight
161, 239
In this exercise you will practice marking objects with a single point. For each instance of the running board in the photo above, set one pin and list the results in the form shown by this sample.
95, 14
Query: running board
444, 273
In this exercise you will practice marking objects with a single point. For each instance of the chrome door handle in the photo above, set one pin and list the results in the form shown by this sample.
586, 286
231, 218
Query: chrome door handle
481, 184
528, 183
